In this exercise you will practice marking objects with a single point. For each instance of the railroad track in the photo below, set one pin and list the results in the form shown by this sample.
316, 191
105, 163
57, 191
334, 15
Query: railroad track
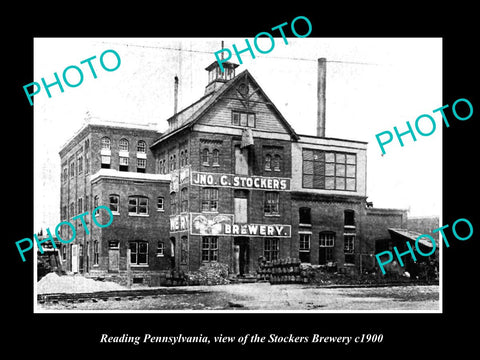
131, 294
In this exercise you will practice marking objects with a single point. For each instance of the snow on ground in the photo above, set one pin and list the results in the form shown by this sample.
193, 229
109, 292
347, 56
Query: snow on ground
52, 283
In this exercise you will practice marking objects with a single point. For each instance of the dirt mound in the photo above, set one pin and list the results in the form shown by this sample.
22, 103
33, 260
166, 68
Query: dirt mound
52, 283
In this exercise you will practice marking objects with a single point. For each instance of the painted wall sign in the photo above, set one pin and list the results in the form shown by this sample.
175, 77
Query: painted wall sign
209, 224
223, 224
238, 181
262, 230
179, 223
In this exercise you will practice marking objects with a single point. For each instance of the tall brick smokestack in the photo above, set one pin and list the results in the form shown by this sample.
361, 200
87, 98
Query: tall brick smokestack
175, 100
321, 84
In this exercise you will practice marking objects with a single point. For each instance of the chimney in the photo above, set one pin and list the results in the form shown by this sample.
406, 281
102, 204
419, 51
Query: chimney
175, 101
322, 79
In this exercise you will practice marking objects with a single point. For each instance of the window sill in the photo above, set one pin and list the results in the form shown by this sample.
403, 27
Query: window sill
160, 210
139, 215
160, 255
138, 265
305, 225
272, 215
115, 213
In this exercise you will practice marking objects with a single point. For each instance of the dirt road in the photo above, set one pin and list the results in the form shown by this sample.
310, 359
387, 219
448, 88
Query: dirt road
263, 296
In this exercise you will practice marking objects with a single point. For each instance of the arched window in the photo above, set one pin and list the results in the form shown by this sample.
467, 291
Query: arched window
276, 163
215, 157
123, 144
186, 157
205, 157
141, 146
268, 162
114, 202
106, 143
173, 203
182, 159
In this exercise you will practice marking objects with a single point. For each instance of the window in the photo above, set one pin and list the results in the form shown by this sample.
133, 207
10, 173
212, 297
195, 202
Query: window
123, 145
86, 203
184, 200
141, 165
114, 203
173, 160
268, 162
173, 203
95, 252
183, 158
137, 205
304, 215
348, 248
205, 157
215, 157
105, 162
138, 252
160, 248
95, 202
243, 119
209, 199
64, 252
123, 164
276, 163
349, 218
87, 164
79, 205
271, 205
65, 174
160, 203
142, 147
72, 209
80, 165
209, 248
184, 250
270, 249
326, 245
106, 144
329, 170
72, 169
304, 248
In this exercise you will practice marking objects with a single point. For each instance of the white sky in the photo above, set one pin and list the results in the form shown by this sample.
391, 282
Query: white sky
401, 78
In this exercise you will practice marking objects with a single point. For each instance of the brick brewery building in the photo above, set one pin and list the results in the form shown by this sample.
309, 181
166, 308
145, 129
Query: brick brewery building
228, 182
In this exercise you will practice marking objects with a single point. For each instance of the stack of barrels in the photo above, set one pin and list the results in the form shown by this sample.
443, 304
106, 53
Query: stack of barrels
173, 278
282, 271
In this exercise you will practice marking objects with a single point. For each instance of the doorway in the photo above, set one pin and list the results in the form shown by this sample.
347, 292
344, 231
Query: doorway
113, 256
241, 251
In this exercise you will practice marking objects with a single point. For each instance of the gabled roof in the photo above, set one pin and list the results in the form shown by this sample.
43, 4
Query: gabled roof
187, 117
